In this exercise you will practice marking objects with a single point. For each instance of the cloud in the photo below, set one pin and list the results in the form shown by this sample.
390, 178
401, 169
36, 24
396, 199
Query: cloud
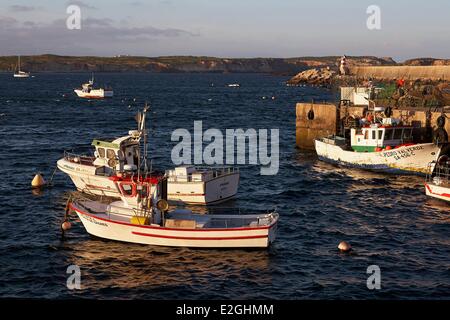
7, 22
81, 4
97, 36
20, 8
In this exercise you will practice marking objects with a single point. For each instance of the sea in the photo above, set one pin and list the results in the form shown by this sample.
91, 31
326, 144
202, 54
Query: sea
387, 219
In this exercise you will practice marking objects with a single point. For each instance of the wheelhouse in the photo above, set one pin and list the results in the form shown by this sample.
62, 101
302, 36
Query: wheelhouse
375, 137
121, 154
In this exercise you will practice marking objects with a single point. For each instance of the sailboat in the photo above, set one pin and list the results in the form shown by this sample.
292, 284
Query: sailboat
20, 73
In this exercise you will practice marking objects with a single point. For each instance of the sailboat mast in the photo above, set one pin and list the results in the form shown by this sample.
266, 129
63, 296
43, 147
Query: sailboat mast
18, 64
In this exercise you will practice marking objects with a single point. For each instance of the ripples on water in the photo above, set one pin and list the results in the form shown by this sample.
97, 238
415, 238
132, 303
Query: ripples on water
387, 219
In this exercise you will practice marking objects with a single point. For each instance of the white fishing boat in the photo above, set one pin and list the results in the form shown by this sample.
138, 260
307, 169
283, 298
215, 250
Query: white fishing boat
385, 146
122, 156
437, 183
192, 185
19, 73
143, 217
89, 92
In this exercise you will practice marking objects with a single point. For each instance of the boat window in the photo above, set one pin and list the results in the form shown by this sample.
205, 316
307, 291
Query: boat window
366, 134
111, 154
388, 134
374, 134
127, 189
101, 152
397, 134
380, 134
407, 133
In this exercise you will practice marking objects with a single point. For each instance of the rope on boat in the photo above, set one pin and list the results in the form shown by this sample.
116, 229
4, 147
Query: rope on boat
50, 182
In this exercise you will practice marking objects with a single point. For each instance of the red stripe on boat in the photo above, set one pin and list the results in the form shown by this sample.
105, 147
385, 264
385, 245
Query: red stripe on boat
198, 238
447, 195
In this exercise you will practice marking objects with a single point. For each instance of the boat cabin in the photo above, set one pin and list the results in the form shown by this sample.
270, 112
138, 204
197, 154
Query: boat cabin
120, 154
376, 136
139, 192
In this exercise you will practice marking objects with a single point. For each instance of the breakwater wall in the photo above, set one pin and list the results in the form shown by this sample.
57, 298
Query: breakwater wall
406, 72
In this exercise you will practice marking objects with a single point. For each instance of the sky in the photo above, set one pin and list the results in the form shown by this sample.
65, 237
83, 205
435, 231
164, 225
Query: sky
227, 28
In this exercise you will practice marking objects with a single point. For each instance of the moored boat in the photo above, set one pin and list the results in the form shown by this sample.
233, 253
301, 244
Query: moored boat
19, 73
122, 156
385, 146
143, 217
88, 91
437, 183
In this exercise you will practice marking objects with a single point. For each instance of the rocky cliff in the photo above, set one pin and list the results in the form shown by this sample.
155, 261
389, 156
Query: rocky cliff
289, 66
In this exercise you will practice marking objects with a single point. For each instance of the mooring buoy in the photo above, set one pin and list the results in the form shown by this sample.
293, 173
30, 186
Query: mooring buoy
66, 225
38, 181
344, 246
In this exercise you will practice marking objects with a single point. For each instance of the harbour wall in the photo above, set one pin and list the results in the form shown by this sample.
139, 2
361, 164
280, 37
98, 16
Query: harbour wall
405, 72
326, 119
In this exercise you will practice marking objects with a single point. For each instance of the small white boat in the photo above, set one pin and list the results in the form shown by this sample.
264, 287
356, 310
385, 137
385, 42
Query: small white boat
19, 73
141, 217
89, 92
121, 156
437, 183
193, 185
234, 85
383, 146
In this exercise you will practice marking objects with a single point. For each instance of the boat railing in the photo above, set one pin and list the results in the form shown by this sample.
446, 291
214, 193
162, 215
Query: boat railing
79, 158
216, 172
438, 173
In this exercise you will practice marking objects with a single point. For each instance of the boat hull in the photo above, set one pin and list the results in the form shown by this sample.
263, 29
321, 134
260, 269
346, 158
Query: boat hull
217, 190
85, 179
438, 192
94, 94
405, 159
21, 75
100, 225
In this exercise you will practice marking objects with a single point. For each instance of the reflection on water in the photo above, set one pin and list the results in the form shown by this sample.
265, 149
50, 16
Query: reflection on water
110, 264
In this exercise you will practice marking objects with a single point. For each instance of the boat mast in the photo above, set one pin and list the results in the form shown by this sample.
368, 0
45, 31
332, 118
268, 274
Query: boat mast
145, 137
18, 64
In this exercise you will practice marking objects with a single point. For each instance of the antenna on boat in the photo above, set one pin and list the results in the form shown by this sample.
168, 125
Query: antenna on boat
146, 108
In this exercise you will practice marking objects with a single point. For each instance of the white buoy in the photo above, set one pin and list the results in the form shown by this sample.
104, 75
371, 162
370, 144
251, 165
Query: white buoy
344, 246
38, 181
66, 225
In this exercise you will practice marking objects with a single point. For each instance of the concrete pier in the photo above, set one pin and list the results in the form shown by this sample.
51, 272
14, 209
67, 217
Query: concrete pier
323, 122
326, 119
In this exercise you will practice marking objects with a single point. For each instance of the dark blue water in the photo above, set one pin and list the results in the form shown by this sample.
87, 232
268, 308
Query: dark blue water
387, 219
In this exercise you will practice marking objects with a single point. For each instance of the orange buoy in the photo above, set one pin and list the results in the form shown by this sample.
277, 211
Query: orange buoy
388, 147
66, 225
38, 181
344, 246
